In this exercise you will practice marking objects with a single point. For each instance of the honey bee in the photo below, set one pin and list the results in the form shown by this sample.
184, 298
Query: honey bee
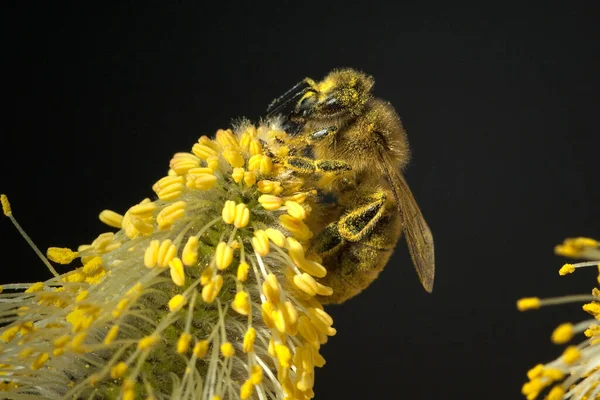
346, 132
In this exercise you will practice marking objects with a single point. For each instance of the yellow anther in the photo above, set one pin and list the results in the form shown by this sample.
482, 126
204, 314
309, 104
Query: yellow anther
129, 394
563, 333
245, 141
118, 370
571, 355
270, 202
260, 242
237, 174
61, 341
26, 352
82, 295
223, 256
40, 361
255, 147
151, 254
535, 372
111, 218
5, 205
242, 216
78, 340
93, 266
321, 320
249, 338
112, 334
61, 255
228, 212
266, 186
593, 330
266, 165
234, 158
303, 285
566, 269
200, 171
169, 188
36, 287
176, 270
176, 303
242, 271
246, 390
249, 178
227, 349
553, 373
166, 252
556, 393
213, 163
256, 375
204, 181
276, 237
271, 289
168, 215
284, 356
267, 310
200, 349
189, 255
143, 210
296, 253
240, 303
592, 308
183, 343
295, 210
295, 227
315, 286
254, 162
203, 151
528, 303
148, 342
212, 289
226, 138
181, 163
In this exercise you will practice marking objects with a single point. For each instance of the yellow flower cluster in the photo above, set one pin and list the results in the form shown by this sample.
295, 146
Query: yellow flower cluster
204, 293
576, 373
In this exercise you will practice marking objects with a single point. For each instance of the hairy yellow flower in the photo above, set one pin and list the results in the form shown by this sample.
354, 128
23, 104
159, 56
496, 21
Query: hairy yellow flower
576, 373
204, 293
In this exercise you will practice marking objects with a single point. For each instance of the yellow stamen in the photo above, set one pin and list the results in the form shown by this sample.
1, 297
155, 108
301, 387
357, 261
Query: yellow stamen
61, 255
249, 178
227, 350
40, 361
295, 210
183, 343
176, 303
563, 333
111, 218
111, 335
168, 215
246, 390
571, 355
241, 304
242, 271
212, 289
237, 174
528, 303
249, 338
118, 370
190, 252
176, 270
276, 237
242, 216
5, 205
260, 242
201, 348
147, 342
223, 256
566, 269
270, 202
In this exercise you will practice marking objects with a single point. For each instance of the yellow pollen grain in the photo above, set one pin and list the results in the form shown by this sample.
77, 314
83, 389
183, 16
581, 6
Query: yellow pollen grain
571, 355
82, 295
111, 218
183, 343
563, 333
61, 255
242, 216
176, 270
249, 338
176, 303
5, 205
260, 242
147, 342
223, 256
118, 370
200, 348
189, 256
528, 303
228, 213
270, 202
111, 335
227, 350
237, 174
240, 303
295, 210
566, 269
242, 271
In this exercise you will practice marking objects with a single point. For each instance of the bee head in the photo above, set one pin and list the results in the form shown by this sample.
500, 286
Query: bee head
343, 92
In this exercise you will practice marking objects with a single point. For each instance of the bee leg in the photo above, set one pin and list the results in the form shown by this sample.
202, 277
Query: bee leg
359, 222
305, 165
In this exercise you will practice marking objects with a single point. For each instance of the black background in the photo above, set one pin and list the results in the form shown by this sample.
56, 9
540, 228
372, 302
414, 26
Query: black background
501, 110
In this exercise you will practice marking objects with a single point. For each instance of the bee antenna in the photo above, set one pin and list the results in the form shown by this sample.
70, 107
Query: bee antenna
297, 90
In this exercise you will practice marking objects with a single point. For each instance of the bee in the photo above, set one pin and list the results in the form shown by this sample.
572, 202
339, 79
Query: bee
346, 132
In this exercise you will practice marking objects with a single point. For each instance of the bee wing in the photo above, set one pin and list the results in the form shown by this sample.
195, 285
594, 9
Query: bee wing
416, 231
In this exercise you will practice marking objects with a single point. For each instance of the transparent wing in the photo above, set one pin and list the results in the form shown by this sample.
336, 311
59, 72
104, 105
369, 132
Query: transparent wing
416, 231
